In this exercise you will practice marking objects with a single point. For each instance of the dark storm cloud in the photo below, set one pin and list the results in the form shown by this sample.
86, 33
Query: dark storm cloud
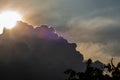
40, 53
37, 53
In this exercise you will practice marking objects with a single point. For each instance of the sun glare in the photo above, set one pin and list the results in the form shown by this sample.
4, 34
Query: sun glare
8, 19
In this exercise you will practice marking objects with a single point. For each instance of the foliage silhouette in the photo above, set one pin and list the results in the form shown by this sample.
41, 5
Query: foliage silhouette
92, 73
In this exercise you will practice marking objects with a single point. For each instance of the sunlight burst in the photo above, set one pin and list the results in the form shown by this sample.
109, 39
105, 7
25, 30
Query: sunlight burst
8, 19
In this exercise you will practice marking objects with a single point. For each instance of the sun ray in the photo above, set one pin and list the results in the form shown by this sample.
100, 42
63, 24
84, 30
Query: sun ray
8, 19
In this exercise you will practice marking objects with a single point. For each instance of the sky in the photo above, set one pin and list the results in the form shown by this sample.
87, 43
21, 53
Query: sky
92, 24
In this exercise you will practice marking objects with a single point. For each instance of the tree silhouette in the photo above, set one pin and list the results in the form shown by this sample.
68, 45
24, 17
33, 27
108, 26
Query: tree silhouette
114, 70
92, 73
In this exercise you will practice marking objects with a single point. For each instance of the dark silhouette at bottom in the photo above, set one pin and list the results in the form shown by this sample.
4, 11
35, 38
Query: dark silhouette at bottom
92, 73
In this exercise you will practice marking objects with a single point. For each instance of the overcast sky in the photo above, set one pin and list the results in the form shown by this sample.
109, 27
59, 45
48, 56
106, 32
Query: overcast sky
92, 24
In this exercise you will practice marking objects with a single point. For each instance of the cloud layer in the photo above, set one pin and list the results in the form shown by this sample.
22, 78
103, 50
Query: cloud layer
99, 36
81, 21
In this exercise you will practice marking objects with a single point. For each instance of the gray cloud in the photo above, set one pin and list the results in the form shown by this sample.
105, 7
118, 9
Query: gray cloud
95, 30
97, 38
59, 12
36, 53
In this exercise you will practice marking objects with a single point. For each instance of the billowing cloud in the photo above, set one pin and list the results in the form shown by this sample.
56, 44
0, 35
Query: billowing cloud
37, 53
